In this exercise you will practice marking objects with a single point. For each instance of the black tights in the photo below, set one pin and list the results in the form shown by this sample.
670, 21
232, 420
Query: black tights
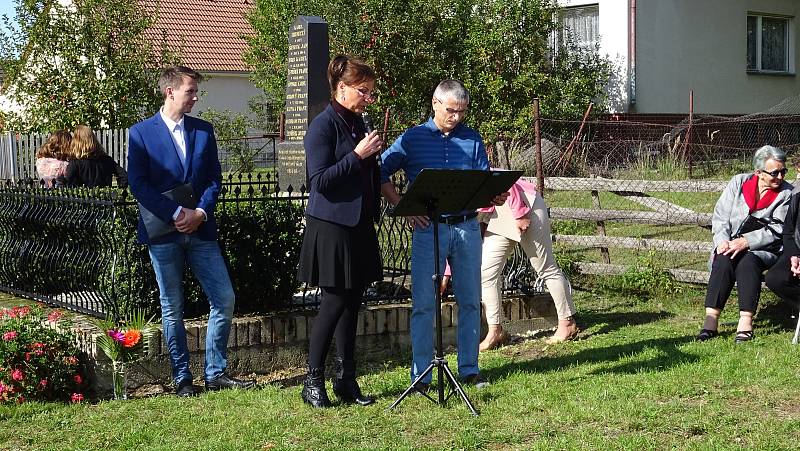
338, 315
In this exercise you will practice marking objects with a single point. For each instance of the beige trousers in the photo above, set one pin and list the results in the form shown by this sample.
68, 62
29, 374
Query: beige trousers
538, 246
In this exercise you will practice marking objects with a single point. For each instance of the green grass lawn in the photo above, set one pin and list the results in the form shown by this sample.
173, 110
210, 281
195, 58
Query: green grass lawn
635, 378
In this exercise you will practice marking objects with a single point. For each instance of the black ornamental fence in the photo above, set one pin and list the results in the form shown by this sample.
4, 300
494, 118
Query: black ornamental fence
77, 249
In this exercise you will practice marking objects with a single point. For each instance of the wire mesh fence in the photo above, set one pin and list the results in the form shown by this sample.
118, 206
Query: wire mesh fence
633, 190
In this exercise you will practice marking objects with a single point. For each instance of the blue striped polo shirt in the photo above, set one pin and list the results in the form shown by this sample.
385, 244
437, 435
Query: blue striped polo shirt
425, 146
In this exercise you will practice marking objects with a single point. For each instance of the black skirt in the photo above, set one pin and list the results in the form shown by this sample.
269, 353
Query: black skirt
334, 255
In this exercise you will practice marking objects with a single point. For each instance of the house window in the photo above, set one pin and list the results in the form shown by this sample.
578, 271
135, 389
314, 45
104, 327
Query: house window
769, 44
580, 25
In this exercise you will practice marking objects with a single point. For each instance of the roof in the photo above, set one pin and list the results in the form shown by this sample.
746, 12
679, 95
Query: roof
207, 32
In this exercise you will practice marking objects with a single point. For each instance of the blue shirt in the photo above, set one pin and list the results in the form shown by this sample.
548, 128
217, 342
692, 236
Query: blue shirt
425, 146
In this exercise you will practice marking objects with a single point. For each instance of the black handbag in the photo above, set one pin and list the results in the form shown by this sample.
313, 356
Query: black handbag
752, 223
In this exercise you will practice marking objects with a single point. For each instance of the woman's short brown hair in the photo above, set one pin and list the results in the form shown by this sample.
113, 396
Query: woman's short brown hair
349, 70
57, 146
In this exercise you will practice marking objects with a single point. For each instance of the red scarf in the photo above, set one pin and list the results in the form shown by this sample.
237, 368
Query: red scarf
750, 192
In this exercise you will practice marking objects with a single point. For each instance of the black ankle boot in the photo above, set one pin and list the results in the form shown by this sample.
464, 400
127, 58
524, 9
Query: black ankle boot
314, 388
345, 385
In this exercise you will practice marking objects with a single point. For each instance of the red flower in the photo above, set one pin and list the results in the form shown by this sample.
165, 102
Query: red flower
76, 398
27, 356
17, 375
43, 384
78, 379
55, 315
131, 338
10, 335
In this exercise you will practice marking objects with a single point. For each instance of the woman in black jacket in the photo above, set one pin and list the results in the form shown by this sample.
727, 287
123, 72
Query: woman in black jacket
784, 276
340, 251
89, 165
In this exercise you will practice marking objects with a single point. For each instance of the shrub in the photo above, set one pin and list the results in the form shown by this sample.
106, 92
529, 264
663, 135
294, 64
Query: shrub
260, 240
647, 278
37, 362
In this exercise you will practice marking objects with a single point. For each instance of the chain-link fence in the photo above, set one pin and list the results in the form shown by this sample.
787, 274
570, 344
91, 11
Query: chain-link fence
636, 190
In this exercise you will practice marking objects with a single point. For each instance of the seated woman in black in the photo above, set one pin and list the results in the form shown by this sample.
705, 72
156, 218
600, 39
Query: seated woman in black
784, 276
89, 165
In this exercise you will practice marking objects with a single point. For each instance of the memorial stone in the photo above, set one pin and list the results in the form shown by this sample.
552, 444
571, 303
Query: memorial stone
307, 94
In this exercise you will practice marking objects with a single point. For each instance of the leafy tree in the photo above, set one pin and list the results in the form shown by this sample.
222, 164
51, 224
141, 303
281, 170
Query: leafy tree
498, 48
230, 128
87, 62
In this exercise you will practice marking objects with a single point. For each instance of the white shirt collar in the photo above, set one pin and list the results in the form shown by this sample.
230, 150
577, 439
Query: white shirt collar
170, 123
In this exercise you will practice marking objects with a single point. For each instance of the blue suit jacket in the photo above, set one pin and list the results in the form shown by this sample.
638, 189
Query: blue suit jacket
335, 189
155, 167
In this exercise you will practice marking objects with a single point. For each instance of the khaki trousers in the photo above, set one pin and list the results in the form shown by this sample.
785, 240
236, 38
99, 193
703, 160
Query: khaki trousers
538, 247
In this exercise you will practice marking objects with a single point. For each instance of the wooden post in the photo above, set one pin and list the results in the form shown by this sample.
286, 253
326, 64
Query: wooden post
538, 147
601, 225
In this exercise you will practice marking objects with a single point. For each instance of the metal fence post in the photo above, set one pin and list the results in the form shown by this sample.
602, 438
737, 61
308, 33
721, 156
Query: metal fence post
537, 130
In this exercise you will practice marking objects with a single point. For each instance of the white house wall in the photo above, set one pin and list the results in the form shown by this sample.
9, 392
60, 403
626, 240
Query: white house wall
221, 91
701, 45
613, 30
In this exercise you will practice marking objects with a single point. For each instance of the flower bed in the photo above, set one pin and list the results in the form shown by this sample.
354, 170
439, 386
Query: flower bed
37, 362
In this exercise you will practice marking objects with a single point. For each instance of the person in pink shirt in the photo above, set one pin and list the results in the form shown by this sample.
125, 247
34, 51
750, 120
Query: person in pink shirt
51, 161
522, 219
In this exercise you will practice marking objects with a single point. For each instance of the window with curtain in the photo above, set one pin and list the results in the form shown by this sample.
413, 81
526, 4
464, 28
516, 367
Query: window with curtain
580, 24
768, 43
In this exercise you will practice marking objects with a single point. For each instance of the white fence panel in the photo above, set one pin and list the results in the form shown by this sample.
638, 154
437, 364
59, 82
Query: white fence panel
18, 151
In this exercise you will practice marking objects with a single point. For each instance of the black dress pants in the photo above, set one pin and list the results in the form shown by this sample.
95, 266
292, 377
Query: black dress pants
745, 271
780, 280
337, 316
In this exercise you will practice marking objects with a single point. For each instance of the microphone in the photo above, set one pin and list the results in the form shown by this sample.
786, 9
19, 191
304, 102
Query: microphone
367, 122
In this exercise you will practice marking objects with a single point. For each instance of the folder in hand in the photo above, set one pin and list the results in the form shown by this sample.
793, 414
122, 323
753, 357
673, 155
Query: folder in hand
183, 195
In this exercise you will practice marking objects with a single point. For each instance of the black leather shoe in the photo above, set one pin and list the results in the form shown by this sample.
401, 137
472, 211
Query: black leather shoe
314, 389
422, 388
349, 392
224, 381
185, 389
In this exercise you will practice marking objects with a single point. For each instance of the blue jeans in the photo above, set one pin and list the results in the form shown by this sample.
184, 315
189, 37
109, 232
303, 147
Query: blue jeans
207, 264
461, 245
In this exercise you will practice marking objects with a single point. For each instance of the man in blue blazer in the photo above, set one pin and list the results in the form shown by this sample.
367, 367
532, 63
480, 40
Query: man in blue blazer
166, 151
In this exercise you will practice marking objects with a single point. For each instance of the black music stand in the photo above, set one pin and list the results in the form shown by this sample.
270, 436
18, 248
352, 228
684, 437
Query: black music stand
448, 191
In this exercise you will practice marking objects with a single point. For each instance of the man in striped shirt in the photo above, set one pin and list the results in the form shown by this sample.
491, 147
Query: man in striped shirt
443, 142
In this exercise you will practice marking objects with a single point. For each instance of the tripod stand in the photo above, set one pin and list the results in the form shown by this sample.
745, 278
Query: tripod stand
448, 191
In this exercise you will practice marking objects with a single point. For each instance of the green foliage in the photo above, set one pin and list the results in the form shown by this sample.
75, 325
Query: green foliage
260, 240
230, 128
647, 278
567, 261
498, 49
87, 63
266, 113
37, 362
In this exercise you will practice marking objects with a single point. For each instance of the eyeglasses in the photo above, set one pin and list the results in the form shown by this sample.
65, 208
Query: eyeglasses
452, 112
776, 172
368, 95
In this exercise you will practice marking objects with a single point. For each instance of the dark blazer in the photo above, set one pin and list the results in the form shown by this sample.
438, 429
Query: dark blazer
334, 171
154, 167
92, 172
